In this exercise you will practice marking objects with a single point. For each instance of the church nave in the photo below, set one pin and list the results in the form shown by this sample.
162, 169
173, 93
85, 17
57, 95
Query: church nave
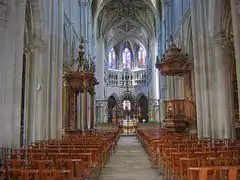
129, 162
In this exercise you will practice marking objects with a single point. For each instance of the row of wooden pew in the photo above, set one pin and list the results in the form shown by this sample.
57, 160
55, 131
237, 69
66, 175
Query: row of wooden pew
77, 155
180, 156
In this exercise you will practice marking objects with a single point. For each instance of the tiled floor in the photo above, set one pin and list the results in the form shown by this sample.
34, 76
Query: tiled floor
129, 162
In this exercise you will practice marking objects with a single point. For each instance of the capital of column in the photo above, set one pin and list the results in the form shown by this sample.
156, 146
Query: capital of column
223, 40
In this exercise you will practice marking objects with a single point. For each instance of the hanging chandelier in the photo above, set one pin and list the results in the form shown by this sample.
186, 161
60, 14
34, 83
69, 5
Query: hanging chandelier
174, 62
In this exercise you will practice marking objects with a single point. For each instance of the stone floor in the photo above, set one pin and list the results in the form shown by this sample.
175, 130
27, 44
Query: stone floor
129, 162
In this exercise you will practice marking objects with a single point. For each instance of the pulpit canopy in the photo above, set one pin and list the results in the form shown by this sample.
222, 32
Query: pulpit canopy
173, 63
79, 73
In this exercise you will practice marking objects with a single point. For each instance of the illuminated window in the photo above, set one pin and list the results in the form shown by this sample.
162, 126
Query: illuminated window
141, 57
112, 59
126, 55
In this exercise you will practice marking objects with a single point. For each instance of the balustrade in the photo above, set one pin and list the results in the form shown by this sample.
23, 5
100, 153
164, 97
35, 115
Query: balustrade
121, 78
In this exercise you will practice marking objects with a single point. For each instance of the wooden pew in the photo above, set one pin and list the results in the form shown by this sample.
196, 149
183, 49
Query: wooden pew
214, 173
171, 154
77, 155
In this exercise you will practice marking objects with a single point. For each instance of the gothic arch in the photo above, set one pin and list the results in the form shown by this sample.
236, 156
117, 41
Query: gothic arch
112, 102
142, 102
115, 96
140, 95
127, 95
98, 5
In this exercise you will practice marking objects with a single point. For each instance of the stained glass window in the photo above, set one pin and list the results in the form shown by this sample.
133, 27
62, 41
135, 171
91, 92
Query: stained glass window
141, 57
126, 55
112, 59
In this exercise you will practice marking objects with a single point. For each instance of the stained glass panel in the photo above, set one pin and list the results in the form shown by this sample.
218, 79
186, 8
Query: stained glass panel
112, 59
141, 57
126, 55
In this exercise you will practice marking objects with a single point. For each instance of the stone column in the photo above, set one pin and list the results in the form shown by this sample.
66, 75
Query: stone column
11, 48
199, 71
224, 105
235, 10
100, 90
37, 88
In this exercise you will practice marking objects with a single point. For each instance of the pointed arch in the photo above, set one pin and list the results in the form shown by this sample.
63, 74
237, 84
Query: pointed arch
141, 56
127, 56
112, 59
139, 96
115, 96
142, 102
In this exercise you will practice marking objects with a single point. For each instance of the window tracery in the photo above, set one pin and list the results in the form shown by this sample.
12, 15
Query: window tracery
141, 57
127, 58
112, 59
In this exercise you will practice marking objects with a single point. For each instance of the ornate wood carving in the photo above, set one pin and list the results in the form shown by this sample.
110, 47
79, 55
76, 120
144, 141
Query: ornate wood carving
179, 113
173, 63
78, 78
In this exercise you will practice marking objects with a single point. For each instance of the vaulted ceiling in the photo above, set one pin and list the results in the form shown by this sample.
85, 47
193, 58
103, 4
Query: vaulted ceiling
132, 20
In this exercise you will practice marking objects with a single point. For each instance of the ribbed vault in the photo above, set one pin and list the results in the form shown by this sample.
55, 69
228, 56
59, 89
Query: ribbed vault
131, 20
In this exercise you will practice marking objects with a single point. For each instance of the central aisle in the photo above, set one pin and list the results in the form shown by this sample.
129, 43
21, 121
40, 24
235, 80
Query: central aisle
129, 162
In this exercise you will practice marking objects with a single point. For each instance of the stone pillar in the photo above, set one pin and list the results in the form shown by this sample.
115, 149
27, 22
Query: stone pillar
11, 50
235, 10
198, 33
100, 90
38, 94
224, 105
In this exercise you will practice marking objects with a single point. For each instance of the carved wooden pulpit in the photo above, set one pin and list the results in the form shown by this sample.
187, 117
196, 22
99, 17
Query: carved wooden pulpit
179, 113
79, 78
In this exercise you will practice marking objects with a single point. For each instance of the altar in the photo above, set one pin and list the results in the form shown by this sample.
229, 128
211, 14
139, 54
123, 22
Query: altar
128, 127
